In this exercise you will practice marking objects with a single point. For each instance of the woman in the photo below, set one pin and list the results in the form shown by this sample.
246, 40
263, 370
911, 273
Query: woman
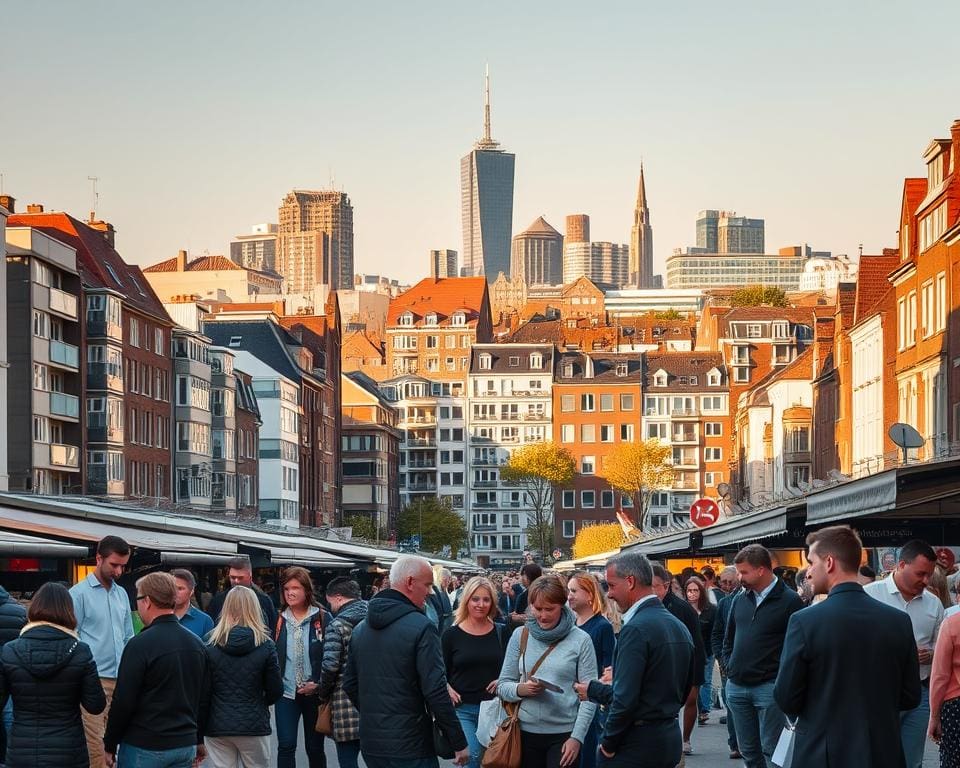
473, 653
549, 651
944, 727
245, 682
586, 600
697, 597
299, 638
50, 674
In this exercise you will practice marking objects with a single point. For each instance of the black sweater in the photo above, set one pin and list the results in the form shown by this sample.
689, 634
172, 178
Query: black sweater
472, 661
163, 676
754, 637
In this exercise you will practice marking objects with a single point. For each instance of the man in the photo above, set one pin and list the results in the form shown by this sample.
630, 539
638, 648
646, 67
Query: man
241, 573
680, 608
528, 574
751, 651
714, 593
163, 687
730, 585
509, 594
395, 675
906, 589
13, 618
104, 623
343, 595
829, 677
438, 607
192, 618
653, 672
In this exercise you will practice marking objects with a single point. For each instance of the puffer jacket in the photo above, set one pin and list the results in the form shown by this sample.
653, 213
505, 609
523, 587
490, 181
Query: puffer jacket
396, 678
50, 674
13, 617
336, 647
245, 682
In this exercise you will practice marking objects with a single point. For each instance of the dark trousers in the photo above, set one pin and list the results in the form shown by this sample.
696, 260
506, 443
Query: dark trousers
541, 750
400, 762
647, 746
288, 714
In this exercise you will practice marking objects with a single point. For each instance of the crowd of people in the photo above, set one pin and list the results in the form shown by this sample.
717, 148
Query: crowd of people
611, 671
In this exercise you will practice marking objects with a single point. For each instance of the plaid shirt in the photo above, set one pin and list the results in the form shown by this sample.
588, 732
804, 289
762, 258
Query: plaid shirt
336, 646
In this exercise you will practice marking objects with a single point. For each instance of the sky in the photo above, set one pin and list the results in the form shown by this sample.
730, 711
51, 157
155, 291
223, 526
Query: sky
197, 118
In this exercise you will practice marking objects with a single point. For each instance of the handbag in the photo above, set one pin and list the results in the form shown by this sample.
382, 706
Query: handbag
505, 750
783, 754
491, 715
324, 719
442, 746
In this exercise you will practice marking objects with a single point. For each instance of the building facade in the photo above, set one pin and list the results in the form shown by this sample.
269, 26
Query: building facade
257, 250
578, 228
248, 422
443, 263
537, 256
601, 262
315, 240
193, 448
704, 271
738, 234
641, 241
213, 278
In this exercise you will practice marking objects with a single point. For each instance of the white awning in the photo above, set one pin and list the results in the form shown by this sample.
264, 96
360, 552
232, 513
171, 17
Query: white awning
865, 496
19, 545
661, 545
745, 528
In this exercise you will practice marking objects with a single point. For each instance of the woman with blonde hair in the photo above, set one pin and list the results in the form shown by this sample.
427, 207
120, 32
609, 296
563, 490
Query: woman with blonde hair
472, 653
245, 681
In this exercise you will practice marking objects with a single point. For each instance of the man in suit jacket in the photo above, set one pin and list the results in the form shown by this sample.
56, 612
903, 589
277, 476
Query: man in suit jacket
653, 672
847, 658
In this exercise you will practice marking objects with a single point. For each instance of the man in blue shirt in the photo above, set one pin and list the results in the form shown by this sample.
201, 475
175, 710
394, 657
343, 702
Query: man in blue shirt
104, 623
190, 617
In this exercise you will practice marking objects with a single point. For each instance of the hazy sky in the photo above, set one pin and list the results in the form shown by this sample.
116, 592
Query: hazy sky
199, 117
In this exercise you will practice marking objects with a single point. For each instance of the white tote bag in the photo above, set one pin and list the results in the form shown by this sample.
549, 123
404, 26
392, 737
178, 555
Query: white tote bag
491, 715
783, 754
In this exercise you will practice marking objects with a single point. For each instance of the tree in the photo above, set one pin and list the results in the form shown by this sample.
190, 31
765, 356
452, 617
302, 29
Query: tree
638, 469
668, 314
364, 527
758, 295
437, 524
540, 468
594, 539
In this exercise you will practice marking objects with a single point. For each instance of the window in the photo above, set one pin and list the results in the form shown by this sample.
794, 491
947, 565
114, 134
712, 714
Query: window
586, 403
41, 429
433, 342
657, 430
932, 226
712, 454
797, 474
606, 499
798, 439
569, 499
941, 301
712, 403
588, 499
431, 318
754, 331
406, 318
927, 309
606, 402
567, 434
588, 433
536, 361
134, 332
587, 464
741, 375
569, 529
568, 403
626, 432
459, 319
485, 362
660, 379
621, 369
514, 361
41, 324
713, 428
626, 402
713, 379
40, 377
606, 433
711, 479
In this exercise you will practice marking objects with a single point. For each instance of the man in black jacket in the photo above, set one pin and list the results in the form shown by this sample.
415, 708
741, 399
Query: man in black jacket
13, 618
161, 686
240, 573
829, 672
751, 653
730, 584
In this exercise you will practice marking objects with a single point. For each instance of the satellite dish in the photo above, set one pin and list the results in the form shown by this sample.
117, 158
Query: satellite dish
905, 436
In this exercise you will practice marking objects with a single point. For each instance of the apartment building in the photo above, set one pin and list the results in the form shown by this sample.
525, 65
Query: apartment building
248, 421
214, 278
596, 407
192, 448
44, 432
509, 406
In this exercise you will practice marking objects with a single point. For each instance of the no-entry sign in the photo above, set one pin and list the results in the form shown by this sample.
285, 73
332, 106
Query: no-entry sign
704, 512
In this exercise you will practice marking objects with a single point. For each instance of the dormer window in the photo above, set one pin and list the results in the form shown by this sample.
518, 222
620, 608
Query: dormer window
694, 380
621, 369
568, 370
536, 361
459, 318
713, 378
431, 318
514, 361
486, 362
660, 379
406, 318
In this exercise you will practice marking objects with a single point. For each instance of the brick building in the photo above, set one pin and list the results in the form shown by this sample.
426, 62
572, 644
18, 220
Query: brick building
248, 422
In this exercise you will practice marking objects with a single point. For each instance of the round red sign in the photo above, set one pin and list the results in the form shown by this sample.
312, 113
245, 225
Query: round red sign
704, 512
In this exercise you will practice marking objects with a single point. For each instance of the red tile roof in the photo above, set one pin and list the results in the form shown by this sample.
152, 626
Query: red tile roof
98, 262
443, 295
872, 282
201, 264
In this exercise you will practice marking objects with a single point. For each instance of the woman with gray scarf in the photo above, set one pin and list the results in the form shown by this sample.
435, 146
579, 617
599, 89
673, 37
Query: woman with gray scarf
553, 721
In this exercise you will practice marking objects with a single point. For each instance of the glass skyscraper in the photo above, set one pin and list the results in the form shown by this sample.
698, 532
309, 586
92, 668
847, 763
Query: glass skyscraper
486, 196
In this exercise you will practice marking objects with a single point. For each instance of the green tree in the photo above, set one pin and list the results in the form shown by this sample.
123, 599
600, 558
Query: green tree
758, 295
669, 314
437, 524
638, 469
539, 469
364, 527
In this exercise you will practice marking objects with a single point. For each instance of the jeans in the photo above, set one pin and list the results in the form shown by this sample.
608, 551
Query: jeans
913, 730
591, 742
400, 762
731, 733
705, 703
757, 720
468, 715
348, 753
129, 756
288, 713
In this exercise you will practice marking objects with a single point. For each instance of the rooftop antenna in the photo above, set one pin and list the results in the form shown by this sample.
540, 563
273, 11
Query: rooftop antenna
487, 141
96, 197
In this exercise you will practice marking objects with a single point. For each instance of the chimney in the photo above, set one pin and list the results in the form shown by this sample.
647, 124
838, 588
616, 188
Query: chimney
8, 202
109, 233
181, 261
954, 141
34, 208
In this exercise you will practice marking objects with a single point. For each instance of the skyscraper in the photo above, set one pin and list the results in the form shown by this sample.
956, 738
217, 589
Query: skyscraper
578, 228
538, 254
641, 241
443, 263
603, 263
486, 203
258, 250
738, 234
315, 240
707, 230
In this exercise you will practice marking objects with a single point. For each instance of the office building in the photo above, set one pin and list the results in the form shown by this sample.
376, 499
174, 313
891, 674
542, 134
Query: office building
734, 270
538, 254
602, 263
725, 232
315, 241
257, 250
443, 263
578, 228
486, 203
707, 231
641, 241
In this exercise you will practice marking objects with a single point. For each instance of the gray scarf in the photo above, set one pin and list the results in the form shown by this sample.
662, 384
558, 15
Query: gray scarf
568, 620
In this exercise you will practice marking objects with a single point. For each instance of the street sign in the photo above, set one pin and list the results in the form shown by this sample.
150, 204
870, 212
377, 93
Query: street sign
557, 554
704, 512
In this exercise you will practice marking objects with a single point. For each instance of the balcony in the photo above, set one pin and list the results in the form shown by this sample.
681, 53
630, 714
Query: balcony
101, 376
681, 484
64, 355
485, 483
421, 442
64, 456
67, 406
686, 436
483, 527
422, 465
422, 486
480, 439
98, 328
63, 303
485, 505
685, 413
421, 419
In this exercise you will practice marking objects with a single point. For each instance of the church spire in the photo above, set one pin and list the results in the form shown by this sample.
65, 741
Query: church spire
641, 191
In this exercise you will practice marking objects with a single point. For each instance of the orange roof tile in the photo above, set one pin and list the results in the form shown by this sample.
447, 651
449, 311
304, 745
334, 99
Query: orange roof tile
442, 295
872, 281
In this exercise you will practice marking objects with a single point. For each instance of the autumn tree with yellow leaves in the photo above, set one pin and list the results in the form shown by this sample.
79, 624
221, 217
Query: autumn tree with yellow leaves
638, 469
595, 539
540, 469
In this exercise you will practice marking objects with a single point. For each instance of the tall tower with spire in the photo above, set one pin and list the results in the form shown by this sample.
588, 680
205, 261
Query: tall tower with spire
641, 241
486, 202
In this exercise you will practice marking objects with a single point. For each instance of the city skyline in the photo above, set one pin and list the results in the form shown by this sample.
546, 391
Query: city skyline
828, 144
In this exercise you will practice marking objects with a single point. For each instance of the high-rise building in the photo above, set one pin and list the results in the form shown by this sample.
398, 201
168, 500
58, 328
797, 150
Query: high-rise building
257, 250
737, 234
707, 231
538, 254
443, 263
578, 228
603, 263
486, 202
315, 240
641, 241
